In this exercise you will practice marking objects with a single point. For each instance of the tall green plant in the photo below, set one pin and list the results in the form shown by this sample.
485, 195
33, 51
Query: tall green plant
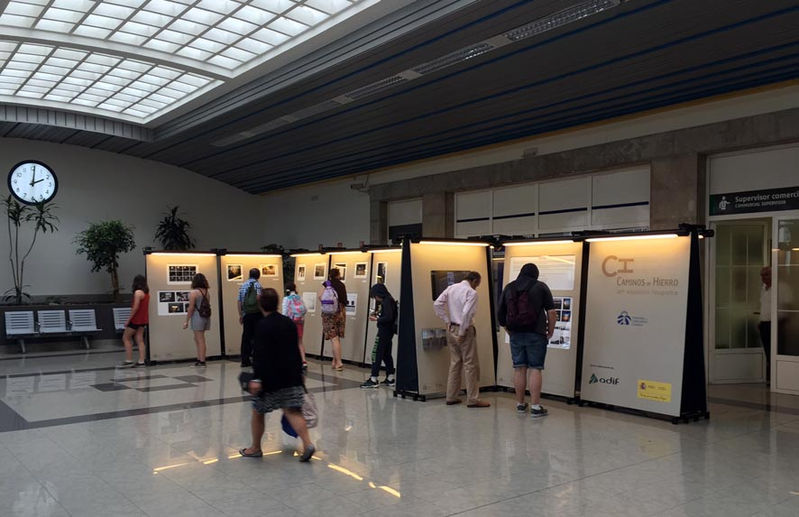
173, 232
43, 219
103, 243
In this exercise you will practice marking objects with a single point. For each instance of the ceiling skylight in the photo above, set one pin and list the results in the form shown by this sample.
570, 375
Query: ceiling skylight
138, 58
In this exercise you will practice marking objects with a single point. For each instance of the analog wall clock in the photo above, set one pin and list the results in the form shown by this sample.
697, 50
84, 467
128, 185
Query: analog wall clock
32, 182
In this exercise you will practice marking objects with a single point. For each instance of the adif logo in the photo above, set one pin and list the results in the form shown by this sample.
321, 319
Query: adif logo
624, 318
603, 380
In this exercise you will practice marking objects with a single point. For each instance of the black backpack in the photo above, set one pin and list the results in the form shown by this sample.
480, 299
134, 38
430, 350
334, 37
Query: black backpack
205, 306
520, 311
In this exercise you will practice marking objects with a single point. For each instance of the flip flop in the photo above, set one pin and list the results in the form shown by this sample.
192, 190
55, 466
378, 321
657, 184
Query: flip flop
244, 453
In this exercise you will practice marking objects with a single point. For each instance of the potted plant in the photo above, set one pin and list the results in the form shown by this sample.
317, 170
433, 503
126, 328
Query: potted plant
173, 232
103, 243
41, 216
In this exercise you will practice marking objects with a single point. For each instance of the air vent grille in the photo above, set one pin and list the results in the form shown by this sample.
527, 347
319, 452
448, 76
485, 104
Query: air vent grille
561, 18
378, 86
459, 56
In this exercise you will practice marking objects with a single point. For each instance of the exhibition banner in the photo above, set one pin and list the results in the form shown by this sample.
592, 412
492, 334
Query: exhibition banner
635, 324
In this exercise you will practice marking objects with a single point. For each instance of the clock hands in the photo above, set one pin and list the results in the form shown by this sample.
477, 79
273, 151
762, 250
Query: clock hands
33, 177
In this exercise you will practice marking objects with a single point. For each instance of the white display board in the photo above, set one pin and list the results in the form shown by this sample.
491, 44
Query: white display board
635, 324
559, 265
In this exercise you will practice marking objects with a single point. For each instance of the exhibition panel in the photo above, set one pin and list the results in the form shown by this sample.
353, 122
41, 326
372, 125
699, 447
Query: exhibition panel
310, 270
386, 268
235, 271
560, 266
169, 275
643, 345
428, 268
354, 266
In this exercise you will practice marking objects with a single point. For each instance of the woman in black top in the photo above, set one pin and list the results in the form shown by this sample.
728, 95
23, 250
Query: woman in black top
278, 382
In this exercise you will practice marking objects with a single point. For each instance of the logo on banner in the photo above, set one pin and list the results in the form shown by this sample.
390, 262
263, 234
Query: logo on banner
603, 380
613, 265
625, 319
723, 204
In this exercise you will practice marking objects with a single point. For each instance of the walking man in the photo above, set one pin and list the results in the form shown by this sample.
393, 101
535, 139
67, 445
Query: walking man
527, 312
386, 328
249, 314
457, 306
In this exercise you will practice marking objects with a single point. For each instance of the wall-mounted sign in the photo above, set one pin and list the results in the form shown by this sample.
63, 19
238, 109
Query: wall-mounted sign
755, 201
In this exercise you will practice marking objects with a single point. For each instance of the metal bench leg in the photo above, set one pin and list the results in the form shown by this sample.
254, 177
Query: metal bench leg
86, 342
22, 345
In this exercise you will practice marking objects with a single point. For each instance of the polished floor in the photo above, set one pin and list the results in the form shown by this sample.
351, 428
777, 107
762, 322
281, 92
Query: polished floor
79, 437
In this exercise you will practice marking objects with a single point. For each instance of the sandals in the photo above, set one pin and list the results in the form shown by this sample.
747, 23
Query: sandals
245, 454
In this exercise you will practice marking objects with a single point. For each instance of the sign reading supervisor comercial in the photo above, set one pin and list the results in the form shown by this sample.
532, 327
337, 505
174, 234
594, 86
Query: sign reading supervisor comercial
755, 201
635, 323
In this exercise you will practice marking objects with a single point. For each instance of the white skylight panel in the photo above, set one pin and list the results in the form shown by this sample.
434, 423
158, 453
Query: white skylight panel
91, 32
52, 78
22, 74
141, 29
63, 15
54, 26
150, 103
306, 15
39, 82
254, 46
28, 58
203, 16
329, 6
77, 81
112, 79
163, 46
167, 73
238, 54
224, 62
30, 48
102, 59
166, 99
84, 102
154, 80
17, 65
193, 53
180, 38
116, 103
254, 15
113, 11
127, 74
221, 36
269, 36
130, 39
237, 26
286, 26
101, 22
74, 5
17, 21
57, 98
188, 27
193, 80
151, 18
66, 63
24, 9
136, 66
127, 3
30, 94
276, 6
219, 6
75, 55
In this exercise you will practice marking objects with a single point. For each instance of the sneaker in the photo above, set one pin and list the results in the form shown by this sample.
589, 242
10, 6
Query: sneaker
126, 364
304, 366
389, 383
369, 383
538, 413
307, 454
141, 364
521, 408
199, 364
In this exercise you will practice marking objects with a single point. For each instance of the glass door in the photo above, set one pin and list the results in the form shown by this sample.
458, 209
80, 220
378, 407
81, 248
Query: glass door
740, 251
785, 306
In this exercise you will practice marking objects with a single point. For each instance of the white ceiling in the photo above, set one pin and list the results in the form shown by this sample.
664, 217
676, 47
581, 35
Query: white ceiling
137, 60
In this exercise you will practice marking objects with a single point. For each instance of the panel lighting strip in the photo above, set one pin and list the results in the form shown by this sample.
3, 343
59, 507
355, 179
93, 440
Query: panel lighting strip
634, 237
545, 24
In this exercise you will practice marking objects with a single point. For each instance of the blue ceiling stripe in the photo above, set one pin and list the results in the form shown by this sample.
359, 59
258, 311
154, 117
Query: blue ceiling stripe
493, 96
355, 72
532, 129
413, 88
620, 97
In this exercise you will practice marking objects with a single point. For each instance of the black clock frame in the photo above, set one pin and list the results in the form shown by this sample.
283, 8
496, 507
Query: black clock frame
37, 162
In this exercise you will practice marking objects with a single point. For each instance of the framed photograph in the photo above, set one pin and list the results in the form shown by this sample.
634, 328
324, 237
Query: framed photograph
342, 268
166, 296
180, 273
234, 273
319, 272
269, 270
301, 273
182, 296
176, 308
360, 270
380, 277
309, 299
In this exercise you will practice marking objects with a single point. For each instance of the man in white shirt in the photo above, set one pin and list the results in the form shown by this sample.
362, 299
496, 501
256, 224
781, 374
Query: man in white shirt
457, 306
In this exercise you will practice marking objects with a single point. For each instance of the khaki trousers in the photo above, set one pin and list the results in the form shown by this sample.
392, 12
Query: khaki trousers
463, 359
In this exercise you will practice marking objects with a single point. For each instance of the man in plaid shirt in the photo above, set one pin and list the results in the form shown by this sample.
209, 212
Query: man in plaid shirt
249, 315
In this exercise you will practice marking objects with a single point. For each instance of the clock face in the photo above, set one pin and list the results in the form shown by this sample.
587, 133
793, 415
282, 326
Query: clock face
32, 182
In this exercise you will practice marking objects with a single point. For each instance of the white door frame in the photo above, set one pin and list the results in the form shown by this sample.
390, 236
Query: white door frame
776, 385
710, 307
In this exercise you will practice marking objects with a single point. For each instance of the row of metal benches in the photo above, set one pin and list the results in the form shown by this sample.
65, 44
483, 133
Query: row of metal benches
80, 322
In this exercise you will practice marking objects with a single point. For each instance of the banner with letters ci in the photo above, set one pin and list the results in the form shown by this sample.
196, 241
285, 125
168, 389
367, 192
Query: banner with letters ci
635, 323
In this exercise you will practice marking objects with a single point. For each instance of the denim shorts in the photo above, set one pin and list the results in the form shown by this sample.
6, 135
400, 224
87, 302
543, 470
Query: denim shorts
528, 349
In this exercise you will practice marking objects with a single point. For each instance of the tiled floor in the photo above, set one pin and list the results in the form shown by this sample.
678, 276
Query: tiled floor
162, 441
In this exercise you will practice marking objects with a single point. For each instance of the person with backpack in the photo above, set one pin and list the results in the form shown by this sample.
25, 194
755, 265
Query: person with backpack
333, 303
249, 314
294, 309
527, 312
199, 315
386, 328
